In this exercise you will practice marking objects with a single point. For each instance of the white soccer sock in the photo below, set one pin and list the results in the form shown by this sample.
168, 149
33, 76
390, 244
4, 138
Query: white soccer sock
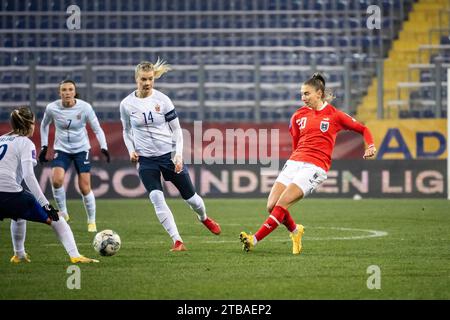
65, 236
18, 232
164, 214
89, 205
59, 194
196, 203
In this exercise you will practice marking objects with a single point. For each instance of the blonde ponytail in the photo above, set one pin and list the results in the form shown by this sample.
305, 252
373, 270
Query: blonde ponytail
159, 68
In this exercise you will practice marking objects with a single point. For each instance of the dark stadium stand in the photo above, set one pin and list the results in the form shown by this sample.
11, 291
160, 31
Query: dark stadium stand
289, 40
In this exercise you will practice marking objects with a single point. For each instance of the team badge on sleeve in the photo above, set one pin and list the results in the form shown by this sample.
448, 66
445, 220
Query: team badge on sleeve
324, 125
33, 154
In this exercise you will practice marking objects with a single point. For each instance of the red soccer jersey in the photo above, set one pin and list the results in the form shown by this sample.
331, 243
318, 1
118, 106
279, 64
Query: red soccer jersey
314, 134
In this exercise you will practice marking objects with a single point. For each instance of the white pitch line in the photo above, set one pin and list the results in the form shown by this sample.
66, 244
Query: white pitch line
371, 234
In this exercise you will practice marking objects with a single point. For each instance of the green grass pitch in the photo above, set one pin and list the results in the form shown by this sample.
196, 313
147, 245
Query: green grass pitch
409, 240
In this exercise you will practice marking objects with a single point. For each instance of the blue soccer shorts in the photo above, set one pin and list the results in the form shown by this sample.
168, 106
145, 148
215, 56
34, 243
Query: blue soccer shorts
80, 160
151, 168
21, 205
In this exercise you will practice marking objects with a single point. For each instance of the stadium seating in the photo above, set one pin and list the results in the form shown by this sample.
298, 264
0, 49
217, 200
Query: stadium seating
421, 101
219, 35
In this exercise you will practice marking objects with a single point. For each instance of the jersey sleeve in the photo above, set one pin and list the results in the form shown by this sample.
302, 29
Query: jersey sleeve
95, 125
45, 123
177, 136
294, 131
28, 161
169, 110
349, 123
28, 152
126, 125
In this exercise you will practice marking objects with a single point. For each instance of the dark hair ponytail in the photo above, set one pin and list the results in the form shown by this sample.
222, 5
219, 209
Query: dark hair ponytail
317, 81
318, 77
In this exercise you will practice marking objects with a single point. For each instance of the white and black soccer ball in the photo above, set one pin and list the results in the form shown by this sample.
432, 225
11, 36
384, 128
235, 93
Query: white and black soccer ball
107, 243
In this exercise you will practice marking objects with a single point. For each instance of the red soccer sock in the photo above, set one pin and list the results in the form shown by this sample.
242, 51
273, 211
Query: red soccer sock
272, 222
289, 222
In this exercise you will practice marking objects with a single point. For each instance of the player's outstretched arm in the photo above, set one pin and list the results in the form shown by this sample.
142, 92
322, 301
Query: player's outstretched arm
43, 154
98, 131
106, 154
178, 137
127, 133
45, 124
32, 183
370, 152
134, 157
52, 213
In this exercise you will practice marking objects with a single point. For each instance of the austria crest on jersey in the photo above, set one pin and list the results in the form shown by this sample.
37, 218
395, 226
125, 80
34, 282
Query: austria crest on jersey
324, 125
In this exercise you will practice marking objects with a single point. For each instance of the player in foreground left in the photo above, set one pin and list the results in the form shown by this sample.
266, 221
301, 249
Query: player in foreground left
17, 159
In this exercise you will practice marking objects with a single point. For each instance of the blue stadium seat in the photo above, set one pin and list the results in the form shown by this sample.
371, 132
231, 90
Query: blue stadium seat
4, 116
445, 40
322, 17
229, 116
193, 115
428, 114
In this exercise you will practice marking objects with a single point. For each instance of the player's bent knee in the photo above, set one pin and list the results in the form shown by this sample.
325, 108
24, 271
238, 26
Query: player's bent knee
57, 184
156, 196
85, 190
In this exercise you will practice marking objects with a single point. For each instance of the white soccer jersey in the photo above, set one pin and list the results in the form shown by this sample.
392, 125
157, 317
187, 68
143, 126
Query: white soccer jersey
146, 122
14, 150
70, 123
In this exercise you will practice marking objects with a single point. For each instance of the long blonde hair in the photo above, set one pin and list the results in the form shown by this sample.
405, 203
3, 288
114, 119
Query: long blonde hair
159, 68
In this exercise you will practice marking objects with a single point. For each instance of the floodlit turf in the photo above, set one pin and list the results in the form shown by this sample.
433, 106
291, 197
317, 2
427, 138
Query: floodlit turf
409, 240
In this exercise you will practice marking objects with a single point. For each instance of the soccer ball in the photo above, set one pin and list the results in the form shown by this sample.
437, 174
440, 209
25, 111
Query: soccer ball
107, 243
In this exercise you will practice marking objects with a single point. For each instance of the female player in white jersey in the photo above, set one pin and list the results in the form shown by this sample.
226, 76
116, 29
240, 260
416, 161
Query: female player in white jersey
70, 115
17, 159
154, 139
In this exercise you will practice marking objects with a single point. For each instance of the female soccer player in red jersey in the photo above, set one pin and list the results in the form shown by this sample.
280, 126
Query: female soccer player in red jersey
313, 128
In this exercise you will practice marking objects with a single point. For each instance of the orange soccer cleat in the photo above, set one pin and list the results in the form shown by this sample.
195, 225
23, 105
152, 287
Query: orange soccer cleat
178, 246
212, 226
